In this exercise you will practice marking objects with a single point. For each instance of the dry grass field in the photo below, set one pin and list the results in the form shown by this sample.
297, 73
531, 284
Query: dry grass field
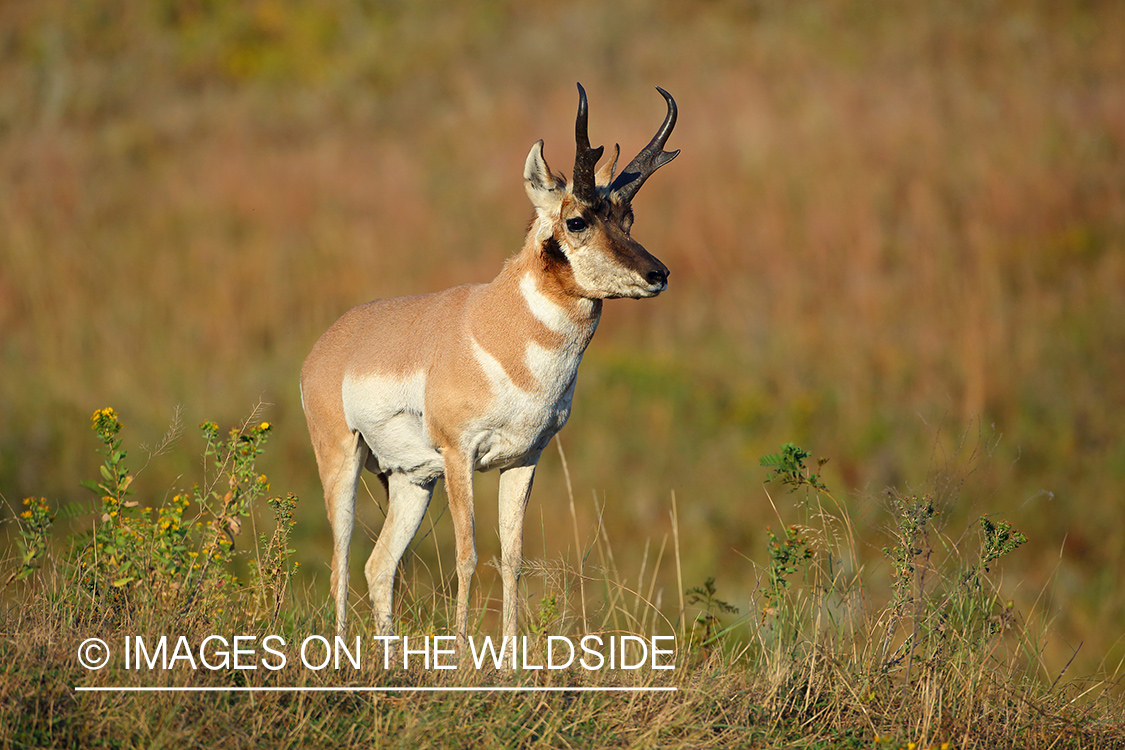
896, 233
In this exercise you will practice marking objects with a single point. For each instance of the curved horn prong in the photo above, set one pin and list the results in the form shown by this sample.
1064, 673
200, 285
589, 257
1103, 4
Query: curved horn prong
585, 158
651, 158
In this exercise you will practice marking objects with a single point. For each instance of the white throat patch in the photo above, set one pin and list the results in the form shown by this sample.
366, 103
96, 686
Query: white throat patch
554, 316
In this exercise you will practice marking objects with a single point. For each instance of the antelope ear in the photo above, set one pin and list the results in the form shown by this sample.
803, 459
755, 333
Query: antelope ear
606, 171
545, 189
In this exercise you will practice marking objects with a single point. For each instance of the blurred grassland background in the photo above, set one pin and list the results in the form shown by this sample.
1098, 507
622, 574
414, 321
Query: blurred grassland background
896, 236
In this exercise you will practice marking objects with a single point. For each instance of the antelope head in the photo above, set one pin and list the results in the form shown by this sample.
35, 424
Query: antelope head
582, 227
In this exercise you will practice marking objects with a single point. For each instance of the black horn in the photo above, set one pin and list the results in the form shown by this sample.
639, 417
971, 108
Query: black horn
585, 158
651, 158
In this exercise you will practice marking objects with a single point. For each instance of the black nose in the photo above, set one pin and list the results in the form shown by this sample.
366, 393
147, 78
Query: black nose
658, 277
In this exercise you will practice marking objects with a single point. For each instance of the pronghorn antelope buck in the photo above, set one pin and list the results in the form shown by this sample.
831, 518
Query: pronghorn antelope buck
476, 377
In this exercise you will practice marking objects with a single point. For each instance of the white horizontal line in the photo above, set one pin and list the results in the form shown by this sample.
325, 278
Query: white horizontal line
368, 689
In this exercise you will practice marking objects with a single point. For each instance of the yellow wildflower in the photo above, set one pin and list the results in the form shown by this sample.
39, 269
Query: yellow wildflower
107, 413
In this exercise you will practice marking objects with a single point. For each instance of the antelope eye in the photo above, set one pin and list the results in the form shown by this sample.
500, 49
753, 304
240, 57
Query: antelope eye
575, 225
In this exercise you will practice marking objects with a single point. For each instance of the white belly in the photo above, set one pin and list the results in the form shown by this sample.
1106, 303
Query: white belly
388, 413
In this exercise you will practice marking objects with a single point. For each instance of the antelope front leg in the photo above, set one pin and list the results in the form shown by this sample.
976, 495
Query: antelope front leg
459, 488
515, 488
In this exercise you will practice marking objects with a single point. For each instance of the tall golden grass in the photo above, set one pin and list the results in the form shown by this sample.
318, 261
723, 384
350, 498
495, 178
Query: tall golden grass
895, 235
815, 662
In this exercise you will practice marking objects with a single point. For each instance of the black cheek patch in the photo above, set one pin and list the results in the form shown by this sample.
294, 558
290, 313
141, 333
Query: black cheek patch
553, 254
557, 266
